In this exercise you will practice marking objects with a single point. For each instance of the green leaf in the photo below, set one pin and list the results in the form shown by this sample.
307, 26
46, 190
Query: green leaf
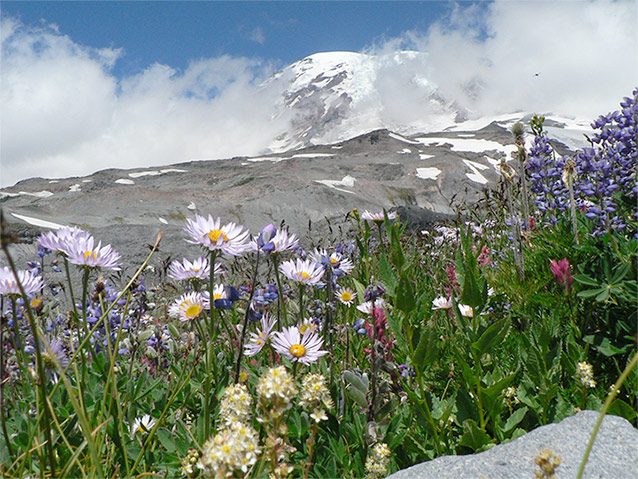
398, 258
622, 409
427, 350
621, 272
471, 294
516, 417
167, 439
405, 295
590, 293
603, 345
387, 276
361, 289
493, 391
465, 407
473, 436
584, 279
492, 336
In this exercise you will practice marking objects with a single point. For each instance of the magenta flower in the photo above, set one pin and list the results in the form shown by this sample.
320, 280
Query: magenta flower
562, 272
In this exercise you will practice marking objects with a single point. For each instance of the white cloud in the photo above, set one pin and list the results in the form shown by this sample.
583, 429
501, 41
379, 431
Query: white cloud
486, 57
64, 113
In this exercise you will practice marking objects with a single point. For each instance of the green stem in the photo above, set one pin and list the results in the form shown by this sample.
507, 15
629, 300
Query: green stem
68, 279
301, 290
209, 345
281, 301
240, 352
610, 398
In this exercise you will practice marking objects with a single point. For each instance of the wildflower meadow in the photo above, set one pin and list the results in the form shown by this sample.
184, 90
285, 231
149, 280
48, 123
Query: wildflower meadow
343, 357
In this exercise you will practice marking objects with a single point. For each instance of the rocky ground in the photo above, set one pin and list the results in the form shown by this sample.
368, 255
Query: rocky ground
426, 177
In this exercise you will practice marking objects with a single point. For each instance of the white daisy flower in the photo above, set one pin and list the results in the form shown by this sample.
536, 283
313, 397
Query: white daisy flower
29, 281
346, 296
377, 217
142, 424
230, 239
82, 251
466, 310
198, 269
441, 302
306, 272
259, 339
297, 347
189, 306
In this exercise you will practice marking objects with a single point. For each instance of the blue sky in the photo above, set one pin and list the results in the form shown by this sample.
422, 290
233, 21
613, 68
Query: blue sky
175, 33
92, 85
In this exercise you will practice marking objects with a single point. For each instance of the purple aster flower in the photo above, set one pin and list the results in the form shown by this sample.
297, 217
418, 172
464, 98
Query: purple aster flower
83, 252
230, 239
198, 269
62, 239
9, 285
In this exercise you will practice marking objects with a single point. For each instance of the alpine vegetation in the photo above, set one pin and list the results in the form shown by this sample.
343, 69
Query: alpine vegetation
349, 356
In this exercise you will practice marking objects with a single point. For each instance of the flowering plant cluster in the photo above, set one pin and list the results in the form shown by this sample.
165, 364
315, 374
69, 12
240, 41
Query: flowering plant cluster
604, 175
255, 357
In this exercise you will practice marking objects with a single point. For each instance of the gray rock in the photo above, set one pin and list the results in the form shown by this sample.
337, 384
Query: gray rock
613, 456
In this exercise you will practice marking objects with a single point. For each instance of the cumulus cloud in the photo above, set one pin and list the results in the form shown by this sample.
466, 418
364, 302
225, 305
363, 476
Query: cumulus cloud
574, 58
64, 112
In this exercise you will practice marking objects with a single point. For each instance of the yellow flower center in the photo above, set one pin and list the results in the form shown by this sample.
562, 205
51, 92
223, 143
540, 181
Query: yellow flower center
196, 270
35, 302
90, 253
334, 260
297, 350
48, 360
193, 310
303, 275
346, 296
226, 449
214, 236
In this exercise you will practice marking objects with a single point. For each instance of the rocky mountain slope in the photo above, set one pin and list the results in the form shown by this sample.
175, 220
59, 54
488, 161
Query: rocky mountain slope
348, 144
382, 169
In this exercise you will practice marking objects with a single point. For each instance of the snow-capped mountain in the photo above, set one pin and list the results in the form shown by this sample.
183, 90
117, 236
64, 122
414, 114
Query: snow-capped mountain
349, 144
334, 96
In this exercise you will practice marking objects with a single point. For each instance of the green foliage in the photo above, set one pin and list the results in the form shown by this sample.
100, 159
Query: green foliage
425, 380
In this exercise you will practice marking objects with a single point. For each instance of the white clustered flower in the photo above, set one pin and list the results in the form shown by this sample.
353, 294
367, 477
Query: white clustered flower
377, 461
189, 462
232, 449
235, 405
315, 396
511, 396
585, 373
276, 390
